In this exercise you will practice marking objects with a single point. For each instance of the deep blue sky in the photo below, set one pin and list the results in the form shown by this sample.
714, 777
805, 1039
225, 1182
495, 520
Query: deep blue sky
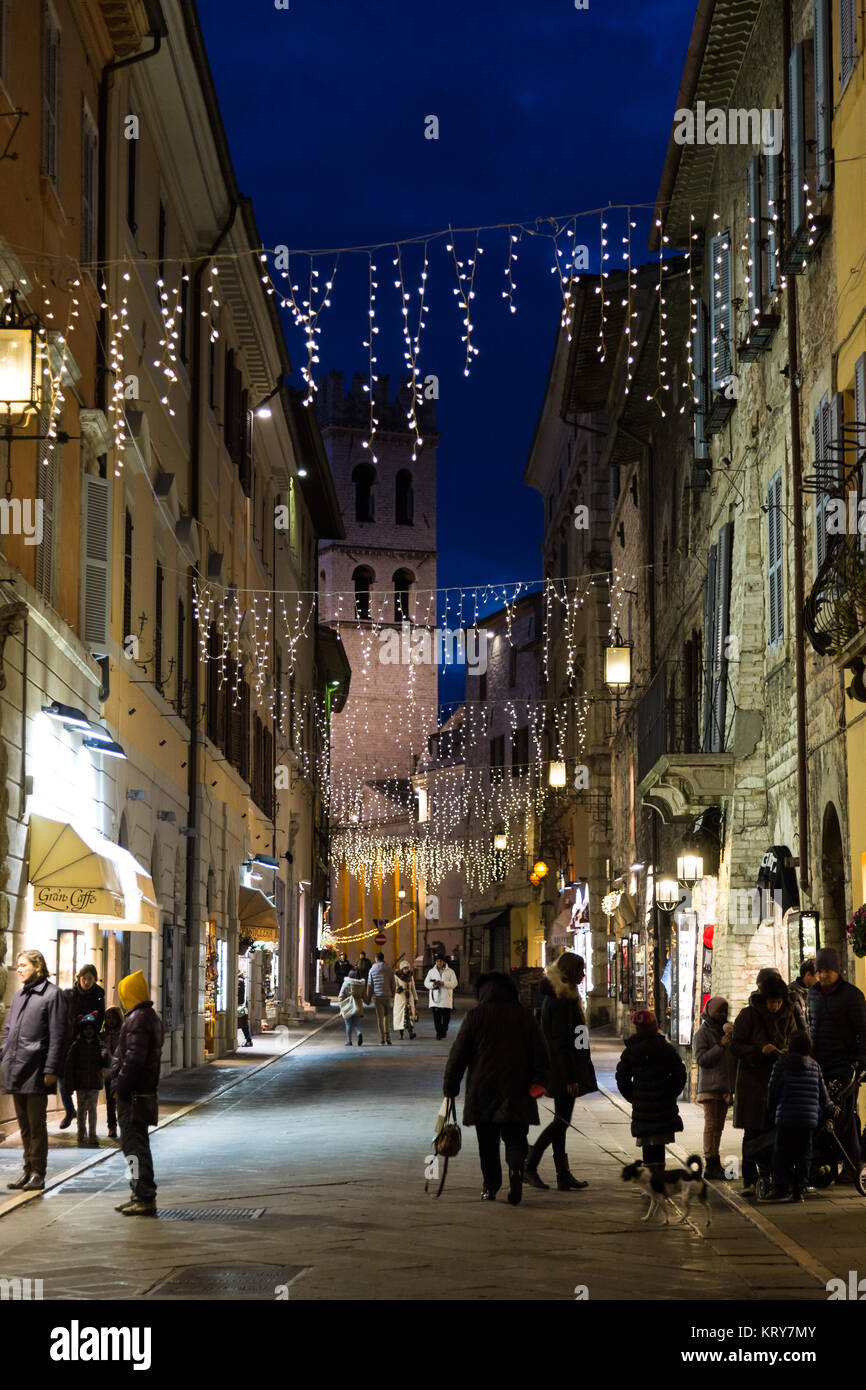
543, 110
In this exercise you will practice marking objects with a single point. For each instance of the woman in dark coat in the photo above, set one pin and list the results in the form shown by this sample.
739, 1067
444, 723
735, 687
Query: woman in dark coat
35, 1043
85, 997
761, 1033
563, 1024
650, 1075
502, 1048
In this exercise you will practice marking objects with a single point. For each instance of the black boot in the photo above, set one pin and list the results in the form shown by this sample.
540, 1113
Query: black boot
714, 1169
565, 1182
530, 1171
515, 1186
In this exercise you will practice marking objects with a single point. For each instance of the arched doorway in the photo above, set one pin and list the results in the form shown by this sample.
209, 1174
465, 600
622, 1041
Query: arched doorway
833, 916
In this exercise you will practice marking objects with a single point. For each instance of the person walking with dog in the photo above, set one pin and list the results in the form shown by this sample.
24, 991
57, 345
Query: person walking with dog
798, 1102
716, 1071
760, 1037
501, 1050
650, 1075
563, 1023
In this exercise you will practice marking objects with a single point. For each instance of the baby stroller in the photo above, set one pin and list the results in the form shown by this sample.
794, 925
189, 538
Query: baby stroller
760, 1152
829, 1155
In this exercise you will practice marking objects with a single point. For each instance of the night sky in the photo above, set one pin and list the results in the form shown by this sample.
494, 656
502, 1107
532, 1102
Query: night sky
544, 111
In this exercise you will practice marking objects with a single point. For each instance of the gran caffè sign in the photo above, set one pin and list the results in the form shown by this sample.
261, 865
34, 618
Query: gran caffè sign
84, 902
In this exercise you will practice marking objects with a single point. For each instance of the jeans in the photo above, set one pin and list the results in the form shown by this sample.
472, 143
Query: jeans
516, 1149
555, 1132
110, 1106
66, 1099
353, 1024
31, 1112
792, 1156
383, 1004
441, 1019
135, 1142
715, 1113
86, 1105
244, 1025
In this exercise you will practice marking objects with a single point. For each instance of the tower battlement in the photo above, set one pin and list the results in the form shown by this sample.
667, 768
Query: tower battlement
337, 406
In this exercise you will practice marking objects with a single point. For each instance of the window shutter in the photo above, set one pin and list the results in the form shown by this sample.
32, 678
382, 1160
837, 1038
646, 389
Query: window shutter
699, 370
796, 192
847, 39
723, 603
818, 432
756, 250
860, 420
709, 645
246, 451
97, 556
721, 311
772, 213
823, 94
50, 94
774, 561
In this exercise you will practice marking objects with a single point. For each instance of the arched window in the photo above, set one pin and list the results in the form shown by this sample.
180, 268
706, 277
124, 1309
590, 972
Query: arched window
364, 476
404, 513
363, 579
403, 581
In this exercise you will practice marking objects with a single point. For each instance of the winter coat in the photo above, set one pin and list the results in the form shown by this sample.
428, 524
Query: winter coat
136, 1063
561, 1015
380, 981
650, 1075
364, 966
838, 1024
405, 1000
341, 969
502, 1049
441, 984
800, 999
754, 1027
716, 1066
109, 1038
798, 1095
351, 998
85, 1062
81, 1002
35, 1039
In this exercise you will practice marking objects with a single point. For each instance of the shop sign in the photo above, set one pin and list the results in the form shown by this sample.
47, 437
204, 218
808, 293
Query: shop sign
262, 933
88, 902
687, 940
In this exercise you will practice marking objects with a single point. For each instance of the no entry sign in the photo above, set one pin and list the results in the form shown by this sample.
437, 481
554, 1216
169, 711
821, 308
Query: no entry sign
380, 938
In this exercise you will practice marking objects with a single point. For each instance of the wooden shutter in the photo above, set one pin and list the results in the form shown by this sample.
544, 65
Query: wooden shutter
828, 432
847, 39
860, 431
96, 588
820, 421
709, 645
756, 249
47, 493
772, 184
717, 599
823, 94
246, 443
89, 147
796, 192
180, 657
700, 368
50, 96
775, 587
721, 310
158, 618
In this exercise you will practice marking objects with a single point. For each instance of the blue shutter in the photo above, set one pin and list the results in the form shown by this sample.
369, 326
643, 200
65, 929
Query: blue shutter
709, 647
771, 192
775, 571
699, 371
796, 192
823, 94
820, 422
847, 39
756, 252
721, 310
724, 553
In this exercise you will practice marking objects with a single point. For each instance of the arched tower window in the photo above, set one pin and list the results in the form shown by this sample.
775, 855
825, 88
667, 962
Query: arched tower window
403, 581
404, 513
363, 477
363, 580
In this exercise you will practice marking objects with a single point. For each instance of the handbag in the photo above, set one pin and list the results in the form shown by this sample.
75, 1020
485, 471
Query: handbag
448, 1139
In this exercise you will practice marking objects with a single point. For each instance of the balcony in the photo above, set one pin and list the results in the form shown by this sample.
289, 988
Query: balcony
758, 338
675, 776
802, 245
719, 413
834, 615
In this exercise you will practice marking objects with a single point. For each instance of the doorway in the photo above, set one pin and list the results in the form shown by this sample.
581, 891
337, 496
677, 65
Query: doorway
833, 916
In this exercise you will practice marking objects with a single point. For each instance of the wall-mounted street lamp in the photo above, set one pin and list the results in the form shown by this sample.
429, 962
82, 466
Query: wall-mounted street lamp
556, 776
500, 840
540, 869
668, 895
20, 364
617, 663
690, 868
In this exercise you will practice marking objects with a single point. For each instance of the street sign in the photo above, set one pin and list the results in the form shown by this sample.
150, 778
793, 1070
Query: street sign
380, 938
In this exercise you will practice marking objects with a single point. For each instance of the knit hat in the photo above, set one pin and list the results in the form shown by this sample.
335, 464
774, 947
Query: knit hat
644, 1021
773, 986
827, 959
766, 974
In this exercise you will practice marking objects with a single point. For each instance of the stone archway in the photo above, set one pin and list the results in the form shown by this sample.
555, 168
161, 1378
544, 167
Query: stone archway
833, 916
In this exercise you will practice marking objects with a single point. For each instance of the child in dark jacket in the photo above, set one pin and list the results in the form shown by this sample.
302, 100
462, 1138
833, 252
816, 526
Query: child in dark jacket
798, 1101
84, 1065
110, 1035
650, 1075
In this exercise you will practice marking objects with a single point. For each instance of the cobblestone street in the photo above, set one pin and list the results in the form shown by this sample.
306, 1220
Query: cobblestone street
305, 1168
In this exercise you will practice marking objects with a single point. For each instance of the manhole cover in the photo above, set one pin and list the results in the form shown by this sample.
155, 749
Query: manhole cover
205, 1281
209, 1213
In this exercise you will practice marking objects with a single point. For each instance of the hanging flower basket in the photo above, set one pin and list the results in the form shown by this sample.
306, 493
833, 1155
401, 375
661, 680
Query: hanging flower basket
857, 931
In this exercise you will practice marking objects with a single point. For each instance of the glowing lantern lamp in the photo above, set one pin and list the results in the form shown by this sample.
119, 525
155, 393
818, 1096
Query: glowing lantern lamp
556, 776
690, 868
20, 379
617, 664
667, 894
500, 840
534, 879
540, 868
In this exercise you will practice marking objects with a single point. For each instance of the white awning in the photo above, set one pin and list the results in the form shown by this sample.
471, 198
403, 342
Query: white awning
76, 871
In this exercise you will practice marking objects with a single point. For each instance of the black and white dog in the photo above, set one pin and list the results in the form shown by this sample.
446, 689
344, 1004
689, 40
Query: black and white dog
687, 1183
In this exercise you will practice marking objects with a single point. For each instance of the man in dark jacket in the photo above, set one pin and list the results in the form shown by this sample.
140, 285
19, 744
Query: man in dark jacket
837, 1020
563, 1024
135, 1077
380, 992
761, 1033
807, 977
502, 1048
85, 997
35, 1041
798, 1102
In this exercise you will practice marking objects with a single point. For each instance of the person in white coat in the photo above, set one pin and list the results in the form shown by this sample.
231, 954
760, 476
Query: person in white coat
351, 1003
405, 999
441, 982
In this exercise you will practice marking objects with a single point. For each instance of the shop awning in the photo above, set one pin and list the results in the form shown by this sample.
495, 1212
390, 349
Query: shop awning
257, 915
483, 919
76, 870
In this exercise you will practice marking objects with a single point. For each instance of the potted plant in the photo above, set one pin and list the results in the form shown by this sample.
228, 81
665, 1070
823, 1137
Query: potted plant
857, 931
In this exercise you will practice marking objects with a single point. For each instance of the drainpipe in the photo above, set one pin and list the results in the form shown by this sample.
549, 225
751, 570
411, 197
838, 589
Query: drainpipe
194, 709
797, 509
